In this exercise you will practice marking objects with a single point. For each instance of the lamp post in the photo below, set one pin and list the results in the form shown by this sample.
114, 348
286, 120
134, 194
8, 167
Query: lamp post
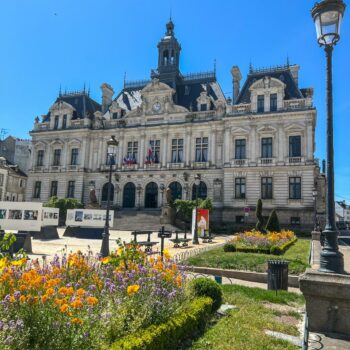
162, 189
327, 16
197, 181
139, 188
314, 198
112, 145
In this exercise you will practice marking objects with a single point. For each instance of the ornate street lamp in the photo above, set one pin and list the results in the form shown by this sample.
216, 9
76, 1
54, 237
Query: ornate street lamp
112, 145
197, 181
327, 16
314, 198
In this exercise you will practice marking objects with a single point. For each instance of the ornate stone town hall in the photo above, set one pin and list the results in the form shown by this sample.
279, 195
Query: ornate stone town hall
259, 144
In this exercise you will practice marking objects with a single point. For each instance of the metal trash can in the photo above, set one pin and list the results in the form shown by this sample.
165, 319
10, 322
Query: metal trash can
277, 278
218, 279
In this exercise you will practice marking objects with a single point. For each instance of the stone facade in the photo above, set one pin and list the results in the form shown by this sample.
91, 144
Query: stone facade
173, 127
12, 182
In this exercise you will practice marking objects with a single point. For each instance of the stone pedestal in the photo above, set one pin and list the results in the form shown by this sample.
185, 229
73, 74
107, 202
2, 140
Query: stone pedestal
327, 297
316, 235
168, 215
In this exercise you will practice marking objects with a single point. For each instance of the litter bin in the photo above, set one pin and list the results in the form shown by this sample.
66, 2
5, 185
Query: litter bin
277, 275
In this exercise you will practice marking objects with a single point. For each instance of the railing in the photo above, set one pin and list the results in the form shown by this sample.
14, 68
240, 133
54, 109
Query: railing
200, 164
153, 166
269, 69
39, 168
55, 168
241, 108
175, 165
72, 167
105, 167
130, 167
199, 75
266, 161
294, 104
239, 162
136, 83
295, 160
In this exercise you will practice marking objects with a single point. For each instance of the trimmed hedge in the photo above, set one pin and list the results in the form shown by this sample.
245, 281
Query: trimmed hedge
169, 335
283, 248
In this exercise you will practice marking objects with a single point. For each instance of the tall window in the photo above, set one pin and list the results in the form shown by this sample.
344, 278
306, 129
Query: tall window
37, 189
155, 150
266, 187
294, 146
240, 148
53, 189
64, 121
240, 187
261, 102
1, 179
273, 102
266, 147
177, 149
40, 158
201, 149
203, 107
56, 157
295, 187
74, 156
55, 125
132, 151
71, 189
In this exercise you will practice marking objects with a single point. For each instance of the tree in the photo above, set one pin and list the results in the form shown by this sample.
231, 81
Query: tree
273, 223
184, 208
63, 204
260, 223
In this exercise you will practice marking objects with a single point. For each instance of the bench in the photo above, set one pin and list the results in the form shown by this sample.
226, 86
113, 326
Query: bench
180, 241
147, 244
207, 239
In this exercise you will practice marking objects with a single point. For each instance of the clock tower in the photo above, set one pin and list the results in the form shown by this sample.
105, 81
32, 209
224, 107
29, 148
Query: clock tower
168, 58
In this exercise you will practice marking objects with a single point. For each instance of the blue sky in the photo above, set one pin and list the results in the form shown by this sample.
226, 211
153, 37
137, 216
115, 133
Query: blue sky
45, 43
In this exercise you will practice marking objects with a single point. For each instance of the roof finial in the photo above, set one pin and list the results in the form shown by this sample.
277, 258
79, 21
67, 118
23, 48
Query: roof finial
214, 66
84, 88
287, 60
170, 28
60, 92
250, 67
124, 80
88, 90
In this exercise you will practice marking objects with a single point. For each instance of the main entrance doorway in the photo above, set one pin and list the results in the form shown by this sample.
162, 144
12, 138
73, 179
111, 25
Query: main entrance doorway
176, 190
129, 195
151, 195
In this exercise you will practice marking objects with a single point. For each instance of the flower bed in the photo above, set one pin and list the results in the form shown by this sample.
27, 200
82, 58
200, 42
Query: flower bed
81, 302
257, 242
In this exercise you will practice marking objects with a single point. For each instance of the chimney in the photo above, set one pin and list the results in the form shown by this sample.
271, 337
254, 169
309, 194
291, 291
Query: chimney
236, 78
107, 94
323, 166
294, 70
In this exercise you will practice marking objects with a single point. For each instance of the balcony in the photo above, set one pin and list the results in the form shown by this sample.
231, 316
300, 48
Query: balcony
127, 167
294, 104
238, 162
105, 167
55, 168
295, 160
152, 166
241, 108
72, 167
266, 161
38, 169
200, 165
175, 165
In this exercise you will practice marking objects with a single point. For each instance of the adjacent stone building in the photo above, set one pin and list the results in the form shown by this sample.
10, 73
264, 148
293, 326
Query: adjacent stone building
258, 144
12, 182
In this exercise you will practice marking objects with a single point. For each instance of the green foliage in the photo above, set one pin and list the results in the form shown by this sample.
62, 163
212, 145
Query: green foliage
260, 223
5, 244
276, 250
200, 287
273, 224
229, 247
184, 208
191, 321
63, 204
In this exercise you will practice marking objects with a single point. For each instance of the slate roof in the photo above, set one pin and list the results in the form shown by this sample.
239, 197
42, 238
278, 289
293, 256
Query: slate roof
12, 168
281, 73
81, 101
188, 89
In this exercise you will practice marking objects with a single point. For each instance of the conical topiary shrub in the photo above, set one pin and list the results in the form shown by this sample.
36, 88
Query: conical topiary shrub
273, 223
260, 223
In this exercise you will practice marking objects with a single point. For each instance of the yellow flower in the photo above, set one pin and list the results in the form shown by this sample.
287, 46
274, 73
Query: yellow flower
106, 260
12, 299
166, 254
133, 289
64, 308
92, 301
19, 262
3, 263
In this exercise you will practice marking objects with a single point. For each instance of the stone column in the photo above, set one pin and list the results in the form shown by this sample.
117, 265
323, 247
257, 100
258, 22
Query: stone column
83, 155
164, 148
280, 145
142, 150
99, 153
91, 153
65, 155
120, 151
253, 144
213, 146
227, 145
188, 147
309, 141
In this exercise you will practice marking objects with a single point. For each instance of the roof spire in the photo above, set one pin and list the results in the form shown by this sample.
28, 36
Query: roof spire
215, 66
170, 28
60, 91
250, 67
124, 80
287, 60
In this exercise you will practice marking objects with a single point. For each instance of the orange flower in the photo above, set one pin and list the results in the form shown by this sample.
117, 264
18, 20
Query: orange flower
80, 292
77, 304
64, 308
70, 291
50, 291
92, 301
106, 260
22, 299
22, 288
44, 298
178, 280
62, 290
77, 320
134, 288
12, 299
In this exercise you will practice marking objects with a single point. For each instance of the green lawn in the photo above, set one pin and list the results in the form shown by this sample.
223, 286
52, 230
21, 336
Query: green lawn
297, 255
243, 328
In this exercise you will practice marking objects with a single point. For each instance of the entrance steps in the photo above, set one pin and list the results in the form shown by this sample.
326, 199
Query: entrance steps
140, 220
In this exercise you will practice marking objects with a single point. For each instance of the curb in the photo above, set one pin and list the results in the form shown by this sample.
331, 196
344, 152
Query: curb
260, 277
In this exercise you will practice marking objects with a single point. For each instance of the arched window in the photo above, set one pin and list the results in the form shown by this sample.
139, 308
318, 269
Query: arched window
202, 191
129, 195
105, 193
165, 57
176, 190
172, 57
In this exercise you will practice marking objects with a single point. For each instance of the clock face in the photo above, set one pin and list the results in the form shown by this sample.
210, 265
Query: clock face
156, 106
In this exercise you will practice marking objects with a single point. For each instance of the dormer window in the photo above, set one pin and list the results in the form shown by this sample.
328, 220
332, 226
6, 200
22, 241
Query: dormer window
203, 107
64, 121
261, 102
273, 102
55, 126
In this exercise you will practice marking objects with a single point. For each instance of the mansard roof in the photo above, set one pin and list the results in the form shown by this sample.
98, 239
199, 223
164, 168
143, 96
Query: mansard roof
188, 89
282, 73
84, 106
12, 168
